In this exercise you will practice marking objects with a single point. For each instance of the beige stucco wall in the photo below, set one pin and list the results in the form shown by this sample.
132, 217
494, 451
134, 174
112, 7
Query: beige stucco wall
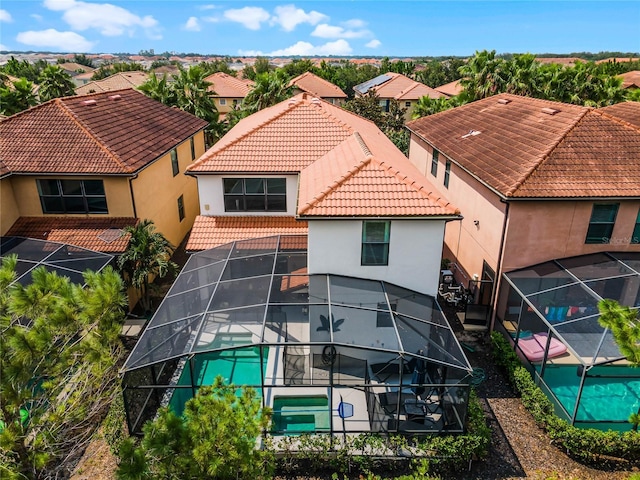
9, 211
228, 104
156, 192
539, 231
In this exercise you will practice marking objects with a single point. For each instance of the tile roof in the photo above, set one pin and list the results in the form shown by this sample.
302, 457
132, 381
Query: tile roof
317, 86
210, 232
75, 67
117, 81
400, 87
104, 133
630, 79
450, 89
101, 234
527, 148
228, 86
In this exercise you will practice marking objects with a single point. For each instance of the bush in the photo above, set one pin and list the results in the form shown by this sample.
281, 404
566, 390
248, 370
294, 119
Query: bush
588, 446
113, 426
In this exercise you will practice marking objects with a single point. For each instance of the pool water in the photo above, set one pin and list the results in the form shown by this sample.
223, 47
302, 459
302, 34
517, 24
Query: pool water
299, 414
237, 367
604, 399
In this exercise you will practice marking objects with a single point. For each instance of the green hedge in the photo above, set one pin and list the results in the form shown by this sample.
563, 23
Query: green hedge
588, 446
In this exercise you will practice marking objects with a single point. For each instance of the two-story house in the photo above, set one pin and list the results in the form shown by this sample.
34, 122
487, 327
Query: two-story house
318, 87
78, 169
117, 81
394, 86
228, 91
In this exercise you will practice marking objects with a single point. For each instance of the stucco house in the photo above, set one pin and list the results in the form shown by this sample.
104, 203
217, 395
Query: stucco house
228, 91
117, 81
395, 86
318, 87
535, 180
78, 169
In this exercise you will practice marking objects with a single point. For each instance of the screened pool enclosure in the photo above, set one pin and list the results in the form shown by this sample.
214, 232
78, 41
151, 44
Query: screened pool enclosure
550, 314
327, 353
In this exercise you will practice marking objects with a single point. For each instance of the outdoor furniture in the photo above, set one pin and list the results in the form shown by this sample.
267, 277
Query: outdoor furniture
534, 346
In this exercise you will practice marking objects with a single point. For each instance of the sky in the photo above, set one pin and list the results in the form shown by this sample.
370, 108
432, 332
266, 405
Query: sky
320, 28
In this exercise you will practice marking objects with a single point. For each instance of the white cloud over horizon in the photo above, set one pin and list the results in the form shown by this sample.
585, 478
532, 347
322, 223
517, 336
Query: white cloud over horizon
375, 43
339, 47
250, 17
3, 47
53, 39
110, 20
289, 17
192, 25
5, 16
331, 31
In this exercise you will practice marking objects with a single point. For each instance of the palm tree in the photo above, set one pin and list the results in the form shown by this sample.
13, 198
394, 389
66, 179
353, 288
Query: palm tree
54, 83
482, 75
16, 96
148, 256
428, 106
521, 75
158, 89
270, 88
191, 94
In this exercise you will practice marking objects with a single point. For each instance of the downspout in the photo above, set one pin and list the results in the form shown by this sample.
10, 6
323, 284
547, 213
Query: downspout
133, 200
498, 279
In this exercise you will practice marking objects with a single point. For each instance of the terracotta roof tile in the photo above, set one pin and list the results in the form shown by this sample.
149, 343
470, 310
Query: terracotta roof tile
450, 89
630, 79
228, 86
317, 86
117, 81
536, 148
210, 232
626, 111
106, 133
99, 234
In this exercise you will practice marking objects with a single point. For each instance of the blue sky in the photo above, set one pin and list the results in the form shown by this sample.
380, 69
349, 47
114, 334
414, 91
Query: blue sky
306, 28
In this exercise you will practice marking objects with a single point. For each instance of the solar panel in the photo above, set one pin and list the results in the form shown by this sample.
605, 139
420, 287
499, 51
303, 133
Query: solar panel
374, 82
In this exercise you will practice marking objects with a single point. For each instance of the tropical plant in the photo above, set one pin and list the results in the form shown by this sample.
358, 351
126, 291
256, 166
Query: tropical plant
59, 357
482, 76
54, 83
16, 96
82, 59
624, 324
269, 88
148, 256
215, 439
24, 69
159, 89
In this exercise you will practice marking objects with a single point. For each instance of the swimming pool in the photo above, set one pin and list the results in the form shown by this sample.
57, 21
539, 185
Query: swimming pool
299, 414
238, 367
611, 398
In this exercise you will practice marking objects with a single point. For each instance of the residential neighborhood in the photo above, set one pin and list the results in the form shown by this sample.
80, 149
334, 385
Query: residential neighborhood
366, 254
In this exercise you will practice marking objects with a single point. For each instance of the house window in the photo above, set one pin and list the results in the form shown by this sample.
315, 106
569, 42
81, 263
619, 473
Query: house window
223, 102
255, 194
175, 167
635, 238
603, 218
181, 207
375, 242
72, 196
447, 172
407, 104
193, 148
434, 163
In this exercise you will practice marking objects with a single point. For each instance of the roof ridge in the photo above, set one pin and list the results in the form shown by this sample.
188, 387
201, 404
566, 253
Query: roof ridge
411, 87
546, 154
67, 111
617, 120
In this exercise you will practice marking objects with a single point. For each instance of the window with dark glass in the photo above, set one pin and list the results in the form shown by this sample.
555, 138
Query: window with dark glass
193, 148
375, 242
434, 163
175, 167
255, 194
181, 207
635, 237
603, 218
72, 196
447, 173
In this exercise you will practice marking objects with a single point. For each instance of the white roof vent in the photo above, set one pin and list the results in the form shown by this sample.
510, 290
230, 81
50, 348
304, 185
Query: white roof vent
472, 133
89, 102
115, 97
504, 101
316, 101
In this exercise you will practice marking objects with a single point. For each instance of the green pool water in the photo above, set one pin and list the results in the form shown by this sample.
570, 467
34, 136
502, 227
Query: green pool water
299, 414
239, 367
609, 397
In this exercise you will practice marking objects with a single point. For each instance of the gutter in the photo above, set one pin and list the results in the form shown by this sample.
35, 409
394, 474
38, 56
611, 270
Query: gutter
498, 279
133, 200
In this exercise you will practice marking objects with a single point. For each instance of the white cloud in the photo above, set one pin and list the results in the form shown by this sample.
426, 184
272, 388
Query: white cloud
355, 23
330, 31
5, 16
53, 39
208, 7
37, 17
4, 47
192, 25
210, 19
339, 47
289, 17
249, 17
110, 20
375, 43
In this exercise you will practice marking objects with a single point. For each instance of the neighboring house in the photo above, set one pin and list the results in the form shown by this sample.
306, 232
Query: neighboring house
630, 80
78, 169
318, 87
229, 91
394, 86
117, 81
306, 164
535, 180
450, 89
75, 69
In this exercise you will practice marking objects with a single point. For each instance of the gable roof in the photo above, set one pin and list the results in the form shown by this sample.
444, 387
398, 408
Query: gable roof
228, 86
347, 166
530, 148
397, 86
105, 133
317, 86
630, 79
117, 81
450, 89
